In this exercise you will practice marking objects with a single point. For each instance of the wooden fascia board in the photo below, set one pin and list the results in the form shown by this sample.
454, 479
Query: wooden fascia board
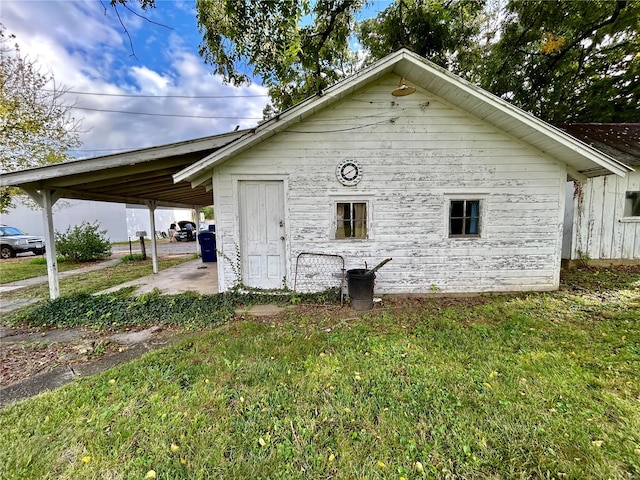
202, 179
74, 173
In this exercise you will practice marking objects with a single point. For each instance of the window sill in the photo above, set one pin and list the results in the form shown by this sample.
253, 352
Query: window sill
629, 220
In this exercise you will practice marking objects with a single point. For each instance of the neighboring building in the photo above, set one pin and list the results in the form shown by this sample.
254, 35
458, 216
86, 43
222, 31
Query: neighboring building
465, 192
119, 220
604, 216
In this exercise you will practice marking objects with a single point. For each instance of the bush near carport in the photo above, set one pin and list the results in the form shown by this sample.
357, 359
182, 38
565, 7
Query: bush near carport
83, 243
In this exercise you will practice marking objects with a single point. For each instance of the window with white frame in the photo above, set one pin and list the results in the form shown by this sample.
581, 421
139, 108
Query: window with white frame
632, 204
351, 219
464, 218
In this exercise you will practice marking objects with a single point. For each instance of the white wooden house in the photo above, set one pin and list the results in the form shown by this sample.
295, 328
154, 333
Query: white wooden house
465, 192
605, 213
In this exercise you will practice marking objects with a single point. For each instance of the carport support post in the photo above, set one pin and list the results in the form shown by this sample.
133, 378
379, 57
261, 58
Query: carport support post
45, 198
152, 221
195, 212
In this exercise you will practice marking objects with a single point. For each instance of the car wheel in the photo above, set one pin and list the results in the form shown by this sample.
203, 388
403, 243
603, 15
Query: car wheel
7, 252
39, 252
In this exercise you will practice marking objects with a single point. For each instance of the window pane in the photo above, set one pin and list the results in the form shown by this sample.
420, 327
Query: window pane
464, 217
632, 204
471, 226
457, 209
351, 220
340, 215
472, 208
360, 220
455, 226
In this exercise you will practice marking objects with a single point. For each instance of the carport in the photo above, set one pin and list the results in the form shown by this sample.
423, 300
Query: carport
143, 177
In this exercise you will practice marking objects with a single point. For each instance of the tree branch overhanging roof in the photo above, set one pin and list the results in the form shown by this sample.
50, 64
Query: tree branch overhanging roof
582, 160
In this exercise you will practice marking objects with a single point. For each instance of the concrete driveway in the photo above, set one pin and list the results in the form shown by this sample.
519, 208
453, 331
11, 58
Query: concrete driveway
194, 276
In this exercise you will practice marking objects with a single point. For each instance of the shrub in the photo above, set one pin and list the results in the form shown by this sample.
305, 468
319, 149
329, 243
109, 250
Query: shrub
83, 243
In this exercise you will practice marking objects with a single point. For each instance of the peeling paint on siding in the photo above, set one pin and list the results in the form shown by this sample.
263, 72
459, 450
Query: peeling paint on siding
409, 168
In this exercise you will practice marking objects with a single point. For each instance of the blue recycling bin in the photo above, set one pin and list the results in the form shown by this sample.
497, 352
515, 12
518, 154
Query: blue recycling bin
208, 246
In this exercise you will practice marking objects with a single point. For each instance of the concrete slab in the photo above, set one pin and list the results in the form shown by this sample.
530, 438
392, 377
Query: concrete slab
66, 374
48, 336
192, 276
37, 384
10, 288
7, 306
131, 338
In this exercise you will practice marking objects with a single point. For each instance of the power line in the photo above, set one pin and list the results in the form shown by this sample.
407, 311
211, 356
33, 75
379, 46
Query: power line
165, 114
104, 149
98, 94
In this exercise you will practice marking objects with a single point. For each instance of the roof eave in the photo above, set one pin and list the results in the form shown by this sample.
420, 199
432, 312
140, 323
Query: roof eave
47, 172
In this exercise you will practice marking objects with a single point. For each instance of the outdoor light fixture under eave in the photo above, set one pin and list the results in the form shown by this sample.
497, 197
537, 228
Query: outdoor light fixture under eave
403, 90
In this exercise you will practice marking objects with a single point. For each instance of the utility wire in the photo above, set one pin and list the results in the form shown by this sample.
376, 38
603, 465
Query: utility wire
131, 95
165, 114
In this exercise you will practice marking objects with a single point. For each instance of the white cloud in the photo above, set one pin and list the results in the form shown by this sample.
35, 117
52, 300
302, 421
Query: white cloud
87, 51
150, 81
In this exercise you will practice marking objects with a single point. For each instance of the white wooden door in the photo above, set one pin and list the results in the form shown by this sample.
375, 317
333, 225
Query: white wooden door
262, 233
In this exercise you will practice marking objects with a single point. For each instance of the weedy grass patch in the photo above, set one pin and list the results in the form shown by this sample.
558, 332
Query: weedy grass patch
516, 386
15, 270
91, 282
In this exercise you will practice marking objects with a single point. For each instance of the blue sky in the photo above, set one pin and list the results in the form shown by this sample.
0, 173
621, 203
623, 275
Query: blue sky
88, 52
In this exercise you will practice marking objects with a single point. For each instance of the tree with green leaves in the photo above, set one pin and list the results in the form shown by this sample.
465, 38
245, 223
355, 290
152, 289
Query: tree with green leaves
563, 61
295, 47
36, 127
568, 61
444, 31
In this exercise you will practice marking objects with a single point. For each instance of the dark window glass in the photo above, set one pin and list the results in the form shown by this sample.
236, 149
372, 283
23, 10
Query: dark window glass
632, 204
464, 218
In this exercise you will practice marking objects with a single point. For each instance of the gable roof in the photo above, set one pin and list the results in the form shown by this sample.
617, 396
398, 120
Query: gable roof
581, 159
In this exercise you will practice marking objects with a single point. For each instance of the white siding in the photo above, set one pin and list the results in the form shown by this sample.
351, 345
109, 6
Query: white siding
600, 230
415, 151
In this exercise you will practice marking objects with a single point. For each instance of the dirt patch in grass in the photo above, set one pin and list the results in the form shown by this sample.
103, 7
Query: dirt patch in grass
24, 359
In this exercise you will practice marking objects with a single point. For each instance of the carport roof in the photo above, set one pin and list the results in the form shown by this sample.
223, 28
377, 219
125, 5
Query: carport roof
136, 177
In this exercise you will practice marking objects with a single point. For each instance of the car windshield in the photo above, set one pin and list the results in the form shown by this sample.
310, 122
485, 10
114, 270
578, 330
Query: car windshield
8, 231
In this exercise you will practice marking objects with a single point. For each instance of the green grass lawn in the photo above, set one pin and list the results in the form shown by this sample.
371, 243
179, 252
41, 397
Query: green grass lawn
525, 386
14, 270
